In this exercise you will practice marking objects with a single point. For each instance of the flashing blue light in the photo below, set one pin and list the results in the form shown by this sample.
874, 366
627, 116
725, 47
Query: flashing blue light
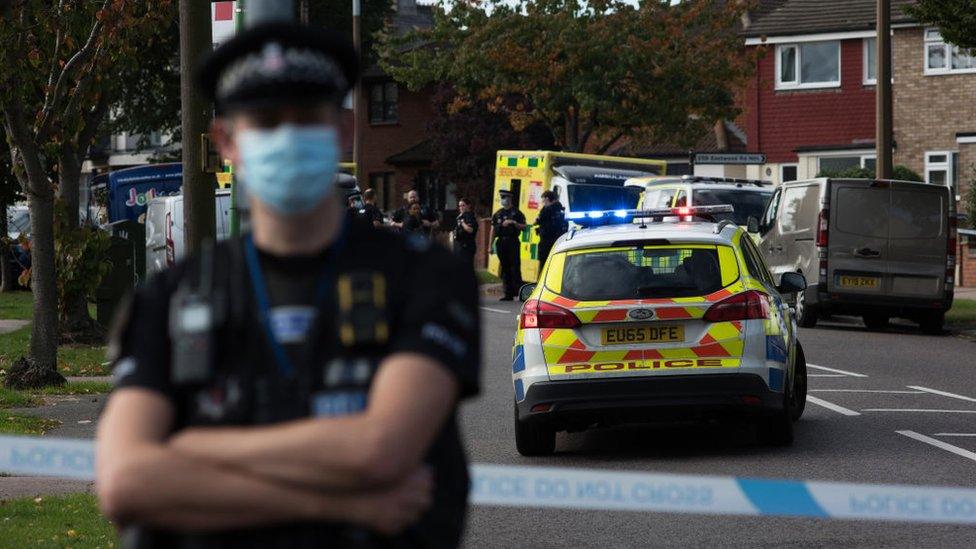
594, 215
621, 214
575, 215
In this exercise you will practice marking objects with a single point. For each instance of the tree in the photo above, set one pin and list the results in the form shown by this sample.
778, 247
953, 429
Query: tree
60, 60
9, 193
956, 19
466, 134
591, 72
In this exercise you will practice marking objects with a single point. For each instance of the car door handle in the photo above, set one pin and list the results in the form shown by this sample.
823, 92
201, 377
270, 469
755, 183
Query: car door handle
867, 253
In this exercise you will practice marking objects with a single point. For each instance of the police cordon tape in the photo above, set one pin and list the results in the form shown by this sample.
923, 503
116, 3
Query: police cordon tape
597, 489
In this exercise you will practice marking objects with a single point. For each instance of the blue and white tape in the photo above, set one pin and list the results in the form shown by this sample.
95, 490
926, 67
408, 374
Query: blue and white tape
602, 490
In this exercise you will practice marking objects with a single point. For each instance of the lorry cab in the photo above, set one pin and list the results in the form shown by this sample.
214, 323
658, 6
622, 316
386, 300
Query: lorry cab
872, 248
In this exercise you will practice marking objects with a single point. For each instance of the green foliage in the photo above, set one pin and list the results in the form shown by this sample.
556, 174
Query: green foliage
22, 424
71, 520
956, 19
962, 313
11, 398
73, 360
969, 199
591, 72
900, 173
80, 254
16, 305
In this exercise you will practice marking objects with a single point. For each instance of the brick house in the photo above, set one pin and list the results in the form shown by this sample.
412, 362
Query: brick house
811, 106
396, 153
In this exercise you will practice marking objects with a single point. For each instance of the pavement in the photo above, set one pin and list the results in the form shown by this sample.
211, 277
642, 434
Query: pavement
7, 325
893, 407
965, 293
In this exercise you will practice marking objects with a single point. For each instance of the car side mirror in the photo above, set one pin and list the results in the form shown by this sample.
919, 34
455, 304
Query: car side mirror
791, 283
525, 291
752, 225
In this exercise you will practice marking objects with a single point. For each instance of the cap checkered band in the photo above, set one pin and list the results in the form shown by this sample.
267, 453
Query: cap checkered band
275, 64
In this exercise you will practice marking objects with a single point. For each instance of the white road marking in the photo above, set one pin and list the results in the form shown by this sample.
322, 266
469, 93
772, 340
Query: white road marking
939, 444
865, 391
836, 371
826, 375
955, 434
943, 393
832, 406
917, 410
497, 310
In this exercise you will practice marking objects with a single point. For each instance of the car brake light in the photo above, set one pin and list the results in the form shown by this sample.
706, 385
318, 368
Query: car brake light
951, 243
540, 314
745, 306
822, 227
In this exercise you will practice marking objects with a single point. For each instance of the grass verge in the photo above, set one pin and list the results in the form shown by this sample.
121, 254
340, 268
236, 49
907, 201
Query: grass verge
16, 305
55, 521
484, 277
10, 398
21, 424
962, 313
73, 360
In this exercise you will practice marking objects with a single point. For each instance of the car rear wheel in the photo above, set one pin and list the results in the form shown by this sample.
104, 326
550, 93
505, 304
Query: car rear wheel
534, 439
876, 321
798, 396
932, 323
806, 315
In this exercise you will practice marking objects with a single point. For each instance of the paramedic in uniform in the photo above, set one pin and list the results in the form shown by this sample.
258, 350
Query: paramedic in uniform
507, 224
296, 387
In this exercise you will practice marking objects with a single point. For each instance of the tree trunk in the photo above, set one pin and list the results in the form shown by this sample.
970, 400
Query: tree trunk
6, 284
69, 176
44, 330
75, 323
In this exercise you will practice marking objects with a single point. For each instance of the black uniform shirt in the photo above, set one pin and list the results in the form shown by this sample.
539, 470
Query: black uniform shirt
551, 221
464, 237
429, 305
510, 231
372, 213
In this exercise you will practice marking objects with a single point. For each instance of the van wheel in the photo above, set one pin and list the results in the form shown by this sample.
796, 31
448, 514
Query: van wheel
806, 316
932, 323
798, 400
534, 439
876, 321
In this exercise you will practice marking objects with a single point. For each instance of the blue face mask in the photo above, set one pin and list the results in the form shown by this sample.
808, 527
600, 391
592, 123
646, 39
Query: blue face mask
290, 168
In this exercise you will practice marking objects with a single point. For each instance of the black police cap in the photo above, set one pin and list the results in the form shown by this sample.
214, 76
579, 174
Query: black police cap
279, 63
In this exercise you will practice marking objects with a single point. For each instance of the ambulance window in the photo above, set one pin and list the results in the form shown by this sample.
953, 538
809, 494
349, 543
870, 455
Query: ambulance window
681, 200
660, 198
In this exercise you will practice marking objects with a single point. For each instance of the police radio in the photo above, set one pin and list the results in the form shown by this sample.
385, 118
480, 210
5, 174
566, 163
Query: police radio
195, 312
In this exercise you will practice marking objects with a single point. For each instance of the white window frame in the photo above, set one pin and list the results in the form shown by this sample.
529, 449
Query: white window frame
868, 81
940, 166
862, 155
798, 85
931, 37
792, 165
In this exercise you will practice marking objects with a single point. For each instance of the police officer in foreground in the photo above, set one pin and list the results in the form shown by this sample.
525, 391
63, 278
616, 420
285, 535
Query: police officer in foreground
296, 387
507, 224
465, 232
550, 224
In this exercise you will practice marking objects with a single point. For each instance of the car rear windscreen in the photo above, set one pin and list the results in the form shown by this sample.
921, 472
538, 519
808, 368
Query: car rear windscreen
651, 272
588, 198
745, 203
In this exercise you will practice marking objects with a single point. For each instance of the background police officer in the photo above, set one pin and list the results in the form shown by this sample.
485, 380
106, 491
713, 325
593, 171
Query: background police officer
507, 224
296, 387
550, 224
465, 232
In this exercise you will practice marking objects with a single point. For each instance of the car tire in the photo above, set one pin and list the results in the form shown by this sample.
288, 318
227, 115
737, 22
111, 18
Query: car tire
534, 439
876, 321
799, 394
806, 315
932, 323
776, 429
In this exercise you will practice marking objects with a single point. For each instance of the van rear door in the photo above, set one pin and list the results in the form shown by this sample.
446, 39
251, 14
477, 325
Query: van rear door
918, 229
858, 237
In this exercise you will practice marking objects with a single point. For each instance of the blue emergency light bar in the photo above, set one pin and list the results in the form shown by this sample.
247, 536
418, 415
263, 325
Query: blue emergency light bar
608, 217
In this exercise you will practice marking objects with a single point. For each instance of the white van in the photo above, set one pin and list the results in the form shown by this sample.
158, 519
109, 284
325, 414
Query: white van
876, 249
165, 241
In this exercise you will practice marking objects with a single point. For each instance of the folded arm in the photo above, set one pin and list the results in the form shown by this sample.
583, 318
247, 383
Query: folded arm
143, 480
410, 399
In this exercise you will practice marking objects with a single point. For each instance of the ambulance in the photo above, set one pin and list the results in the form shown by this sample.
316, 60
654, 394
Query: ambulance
583, 183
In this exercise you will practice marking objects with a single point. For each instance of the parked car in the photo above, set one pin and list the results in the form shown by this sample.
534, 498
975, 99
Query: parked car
748, 197
871, 248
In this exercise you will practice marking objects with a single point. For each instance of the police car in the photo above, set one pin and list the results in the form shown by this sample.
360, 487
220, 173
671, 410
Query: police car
644, 321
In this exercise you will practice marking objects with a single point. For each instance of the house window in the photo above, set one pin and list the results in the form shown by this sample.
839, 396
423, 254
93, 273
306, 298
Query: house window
838, 164
870, 61
940, 168
788, 172
808, 65
945, 58
383, 103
